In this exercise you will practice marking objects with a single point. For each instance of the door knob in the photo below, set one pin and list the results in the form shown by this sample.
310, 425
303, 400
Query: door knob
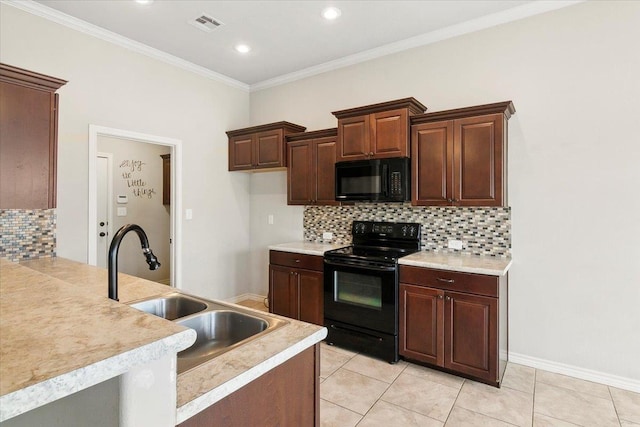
102, 234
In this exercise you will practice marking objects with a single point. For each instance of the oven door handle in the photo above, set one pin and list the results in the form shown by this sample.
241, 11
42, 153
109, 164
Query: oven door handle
362, 266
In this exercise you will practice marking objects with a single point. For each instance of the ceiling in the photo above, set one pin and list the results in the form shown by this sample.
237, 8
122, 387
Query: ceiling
288, 38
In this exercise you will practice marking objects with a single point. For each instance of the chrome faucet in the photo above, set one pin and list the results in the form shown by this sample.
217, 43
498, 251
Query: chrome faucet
113, 255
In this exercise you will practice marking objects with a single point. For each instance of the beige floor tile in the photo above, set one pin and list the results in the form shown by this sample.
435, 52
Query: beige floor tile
351, 390
434, 375
421, 395
375, 368
330, 361
339, 349
332, 415
540, 420
627, 404
575, 407
461, 417
575, 384
519, 377
388, 415
505, 404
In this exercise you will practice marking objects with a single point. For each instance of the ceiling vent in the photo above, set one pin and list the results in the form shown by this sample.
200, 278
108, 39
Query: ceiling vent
206, 23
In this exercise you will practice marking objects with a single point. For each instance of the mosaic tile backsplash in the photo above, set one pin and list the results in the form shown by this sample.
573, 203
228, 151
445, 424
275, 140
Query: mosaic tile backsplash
27, 233
484, 231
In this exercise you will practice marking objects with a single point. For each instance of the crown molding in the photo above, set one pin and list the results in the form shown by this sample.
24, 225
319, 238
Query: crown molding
111, 37
514, 14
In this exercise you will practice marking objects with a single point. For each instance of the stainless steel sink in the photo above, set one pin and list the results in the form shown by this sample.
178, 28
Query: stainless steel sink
218, 331
172, 306
219, 327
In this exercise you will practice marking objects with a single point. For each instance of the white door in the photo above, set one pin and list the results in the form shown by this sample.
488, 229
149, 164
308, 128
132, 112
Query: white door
103, 239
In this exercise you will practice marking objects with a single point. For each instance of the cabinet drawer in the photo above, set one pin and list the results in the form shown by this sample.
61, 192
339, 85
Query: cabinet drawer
479, 284
290, 259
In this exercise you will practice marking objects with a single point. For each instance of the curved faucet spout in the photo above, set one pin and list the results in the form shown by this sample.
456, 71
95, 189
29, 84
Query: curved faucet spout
113, 255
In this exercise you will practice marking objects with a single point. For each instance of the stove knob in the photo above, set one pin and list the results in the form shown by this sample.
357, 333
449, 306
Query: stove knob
412, 231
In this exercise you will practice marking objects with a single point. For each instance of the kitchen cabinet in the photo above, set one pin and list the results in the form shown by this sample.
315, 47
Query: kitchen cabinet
28, 138
296, 286
260, 147
287, 396
376, 131
455, 321
311, 158
459, 157
166, 179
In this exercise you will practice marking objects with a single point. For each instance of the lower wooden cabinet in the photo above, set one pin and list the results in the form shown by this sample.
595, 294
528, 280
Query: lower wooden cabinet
296, 286
286, 396
455, 321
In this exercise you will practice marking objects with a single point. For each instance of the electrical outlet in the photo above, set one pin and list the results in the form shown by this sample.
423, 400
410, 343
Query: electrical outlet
270, 219
455, 244
327, 236
188, 214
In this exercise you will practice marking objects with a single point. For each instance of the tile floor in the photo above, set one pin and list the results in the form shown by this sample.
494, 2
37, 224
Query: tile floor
357, 390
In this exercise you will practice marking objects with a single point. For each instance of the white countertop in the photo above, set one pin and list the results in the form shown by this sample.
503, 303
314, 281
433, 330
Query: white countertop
308, 248
464, 263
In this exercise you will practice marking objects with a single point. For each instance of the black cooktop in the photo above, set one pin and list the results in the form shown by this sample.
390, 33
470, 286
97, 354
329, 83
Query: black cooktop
370, 253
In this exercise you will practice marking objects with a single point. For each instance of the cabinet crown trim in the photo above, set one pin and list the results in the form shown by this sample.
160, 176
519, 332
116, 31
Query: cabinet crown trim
22, 77
287, 126
506, 107
301, 136
413, 105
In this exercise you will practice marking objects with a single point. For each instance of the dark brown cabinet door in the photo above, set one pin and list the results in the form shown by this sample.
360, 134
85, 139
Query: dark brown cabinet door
324, 170
269, 149
166, 179
471, 334
311, 296
28, 138
241, 152
478, 161
283, 291
421, 324
432, 165
389, 134
300, 173
354, 134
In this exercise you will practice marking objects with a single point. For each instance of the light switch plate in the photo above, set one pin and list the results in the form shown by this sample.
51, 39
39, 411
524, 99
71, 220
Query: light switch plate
455, 244
188, 214
122, 211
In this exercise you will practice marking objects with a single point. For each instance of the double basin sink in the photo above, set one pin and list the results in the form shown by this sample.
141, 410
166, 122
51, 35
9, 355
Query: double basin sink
219, 327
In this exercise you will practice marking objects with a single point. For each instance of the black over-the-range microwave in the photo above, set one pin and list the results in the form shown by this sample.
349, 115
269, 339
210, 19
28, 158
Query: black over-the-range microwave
377, 180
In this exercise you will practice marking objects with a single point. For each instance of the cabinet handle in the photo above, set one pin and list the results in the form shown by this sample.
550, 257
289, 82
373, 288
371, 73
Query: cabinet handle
448, 298
371, 153
297, 261
440, 279
439, 296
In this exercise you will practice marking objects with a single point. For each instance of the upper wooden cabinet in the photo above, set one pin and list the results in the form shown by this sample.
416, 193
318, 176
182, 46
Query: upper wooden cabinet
311, 158
28, 138
459, 157
166, 179
260, 147
376, 131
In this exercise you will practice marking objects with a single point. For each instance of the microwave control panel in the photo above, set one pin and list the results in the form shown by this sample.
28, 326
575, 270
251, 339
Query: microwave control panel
396, 184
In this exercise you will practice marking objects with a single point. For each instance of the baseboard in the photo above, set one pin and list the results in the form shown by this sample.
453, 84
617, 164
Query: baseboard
576, 372
248, 296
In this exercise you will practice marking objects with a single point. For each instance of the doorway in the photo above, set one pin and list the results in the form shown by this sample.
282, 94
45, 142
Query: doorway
135, 197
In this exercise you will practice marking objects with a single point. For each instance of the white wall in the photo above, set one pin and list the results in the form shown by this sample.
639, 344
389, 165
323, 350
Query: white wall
573, 166
114, 87
142, 184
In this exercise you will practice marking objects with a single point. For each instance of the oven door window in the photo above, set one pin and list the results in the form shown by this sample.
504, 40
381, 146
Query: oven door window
358, 289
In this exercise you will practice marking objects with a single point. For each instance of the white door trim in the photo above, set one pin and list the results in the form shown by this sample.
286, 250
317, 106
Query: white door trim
176, 197
109, 158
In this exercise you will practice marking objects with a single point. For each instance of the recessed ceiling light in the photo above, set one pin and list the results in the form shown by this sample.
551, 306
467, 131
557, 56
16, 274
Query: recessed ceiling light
144, 1
331, 13
243, 48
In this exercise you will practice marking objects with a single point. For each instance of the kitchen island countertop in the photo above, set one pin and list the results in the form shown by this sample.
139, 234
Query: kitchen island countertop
197, 388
